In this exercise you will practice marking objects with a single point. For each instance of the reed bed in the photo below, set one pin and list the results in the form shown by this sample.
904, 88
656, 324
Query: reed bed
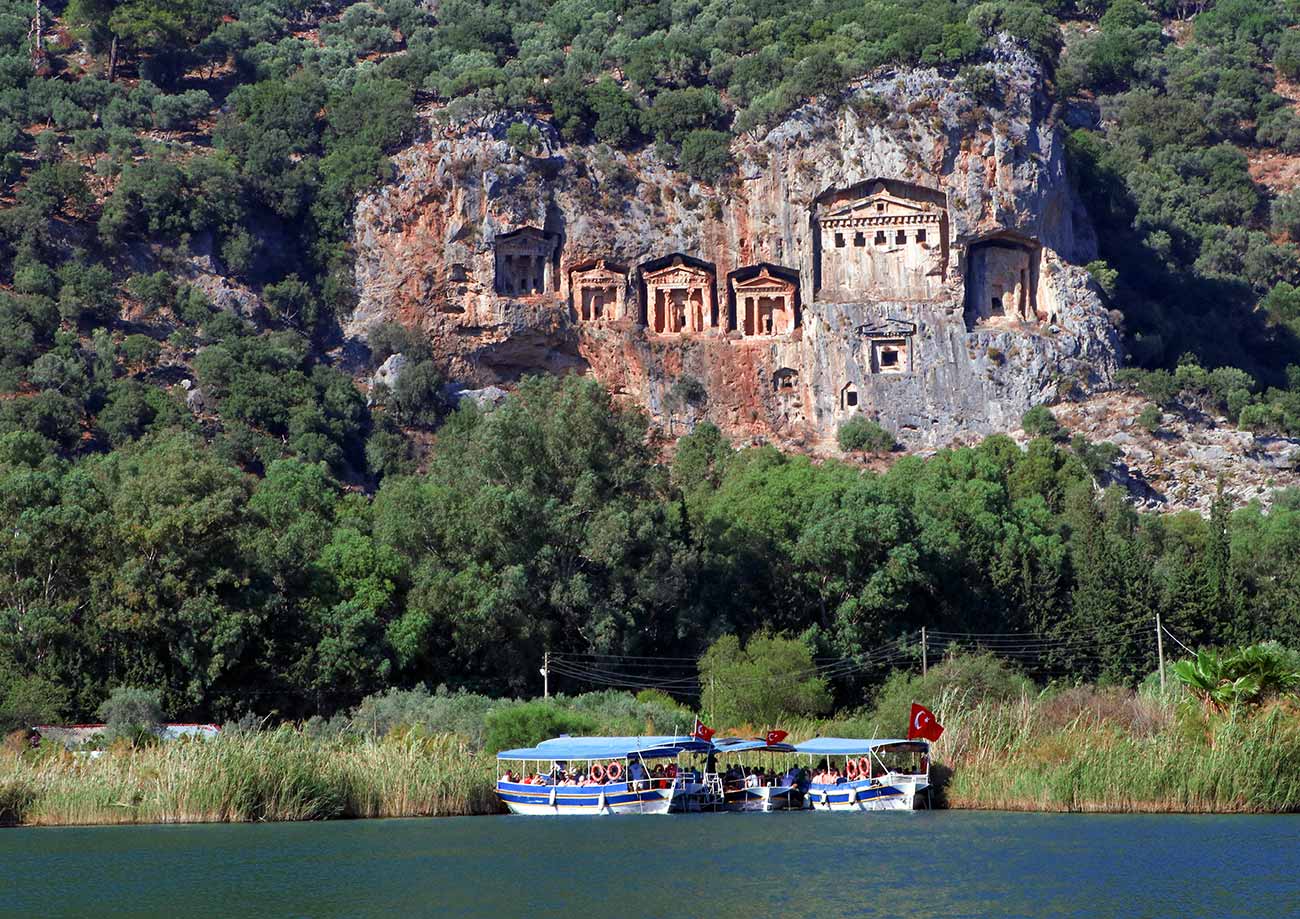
272, 776
1116, 752
1102, 750
1082, 749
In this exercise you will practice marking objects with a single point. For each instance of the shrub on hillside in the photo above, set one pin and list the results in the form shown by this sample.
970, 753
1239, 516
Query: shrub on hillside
1040, 422
863, 434
1150, 418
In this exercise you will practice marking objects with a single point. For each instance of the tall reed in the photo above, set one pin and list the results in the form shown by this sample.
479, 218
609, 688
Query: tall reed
1118, 753
275, 775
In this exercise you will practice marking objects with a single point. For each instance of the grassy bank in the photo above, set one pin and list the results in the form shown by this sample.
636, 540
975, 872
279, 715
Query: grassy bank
1114, 751
1008, 745
273, 775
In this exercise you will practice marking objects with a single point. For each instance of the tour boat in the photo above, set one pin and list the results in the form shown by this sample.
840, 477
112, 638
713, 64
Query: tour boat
874, 774
607, 787
745, 792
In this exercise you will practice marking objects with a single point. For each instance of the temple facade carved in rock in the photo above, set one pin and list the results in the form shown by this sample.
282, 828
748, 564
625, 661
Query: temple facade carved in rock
525, 262
765, 304
881, 240
679, 299
599, 292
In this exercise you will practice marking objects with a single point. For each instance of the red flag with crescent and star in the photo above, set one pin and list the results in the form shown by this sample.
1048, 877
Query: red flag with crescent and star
923, 724
702, 731
775, 737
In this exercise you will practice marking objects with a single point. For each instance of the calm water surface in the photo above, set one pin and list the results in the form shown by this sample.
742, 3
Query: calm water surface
726, 865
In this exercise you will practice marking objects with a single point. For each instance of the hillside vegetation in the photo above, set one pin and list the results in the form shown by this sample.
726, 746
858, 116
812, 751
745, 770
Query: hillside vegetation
279, 545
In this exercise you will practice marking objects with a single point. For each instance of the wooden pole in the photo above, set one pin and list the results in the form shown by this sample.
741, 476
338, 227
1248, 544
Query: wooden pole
1160, 651
546, 675
925, 660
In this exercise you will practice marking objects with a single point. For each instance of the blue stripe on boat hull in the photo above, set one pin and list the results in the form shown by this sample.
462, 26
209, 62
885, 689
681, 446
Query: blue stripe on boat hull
585, 797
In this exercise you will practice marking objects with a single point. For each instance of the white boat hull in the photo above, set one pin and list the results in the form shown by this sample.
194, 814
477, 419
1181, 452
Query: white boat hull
772, 798
590, 800
888, 793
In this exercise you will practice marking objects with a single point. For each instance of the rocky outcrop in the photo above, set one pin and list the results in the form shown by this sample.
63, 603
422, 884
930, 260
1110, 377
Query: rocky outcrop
929, 243
1180, 465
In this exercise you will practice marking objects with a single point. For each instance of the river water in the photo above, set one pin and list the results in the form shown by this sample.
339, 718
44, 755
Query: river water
723, 865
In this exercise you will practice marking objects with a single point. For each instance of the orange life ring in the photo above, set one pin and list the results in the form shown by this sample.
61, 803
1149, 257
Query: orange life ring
851, 769
614, 771
598, 772
864, 767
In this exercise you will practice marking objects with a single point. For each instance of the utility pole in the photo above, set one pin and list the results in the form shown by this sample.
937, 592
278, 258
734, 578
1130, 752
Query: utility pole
1160, 651
925, 659
546, 675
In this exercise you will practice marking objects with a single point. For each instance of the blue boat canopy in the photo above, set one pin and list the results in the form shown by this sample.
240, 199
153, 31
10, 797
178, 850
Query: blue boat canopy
851, 746
559, 749
742, 744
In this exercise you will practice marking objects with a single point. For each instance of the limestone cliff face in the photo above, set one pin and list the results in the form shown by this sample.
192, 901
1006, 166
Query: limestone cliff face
907, 252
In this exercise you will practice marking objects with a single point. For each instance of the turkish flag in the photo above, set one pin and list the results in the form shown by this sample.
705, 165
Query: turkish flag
923, 724
702, 731
775, 737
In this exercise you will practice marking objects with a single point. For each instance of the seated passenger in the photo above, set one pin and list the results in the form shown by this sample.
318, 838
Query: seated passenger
671, 771
658, 771
636, 772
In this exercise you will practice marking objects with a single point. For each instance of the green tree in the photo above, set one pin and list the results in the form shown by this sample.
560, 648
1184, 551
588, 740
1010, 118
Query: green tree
760, 682
1040, 422
132, 713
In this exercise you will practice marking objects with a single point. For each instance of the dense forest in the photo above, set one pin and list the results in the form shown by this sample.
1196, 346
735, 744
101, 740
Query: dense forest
287, 547
548, 524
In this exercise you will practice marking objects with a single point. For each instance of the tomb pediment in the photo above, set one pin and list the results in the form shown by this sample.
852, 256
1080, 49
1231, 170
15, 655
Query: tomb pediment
599, 275
526, 239
887, 328
763, 283
881, 208
678, 276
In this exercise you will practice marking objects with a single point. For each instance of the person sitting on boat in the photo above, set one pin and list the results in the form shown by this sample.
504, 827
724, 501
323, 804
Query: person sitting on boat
658, 771
636, 772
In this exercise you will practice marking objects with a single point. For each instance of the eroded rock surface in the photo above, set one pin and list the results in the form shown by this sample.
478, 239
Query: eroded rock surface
908, 252
1179, 467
